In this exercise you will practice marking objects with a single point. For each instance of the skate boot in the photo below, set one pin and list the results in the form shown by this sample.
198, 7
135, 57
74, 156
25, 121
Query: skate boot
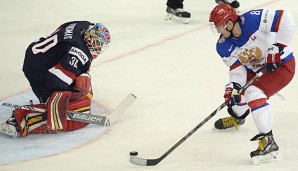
234, 3
178, 15
10, 127
228, 122
267, 150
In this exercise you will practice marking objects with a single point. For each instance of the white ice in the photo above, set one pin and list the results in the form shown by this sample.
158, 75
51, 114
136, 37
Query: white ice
174, 71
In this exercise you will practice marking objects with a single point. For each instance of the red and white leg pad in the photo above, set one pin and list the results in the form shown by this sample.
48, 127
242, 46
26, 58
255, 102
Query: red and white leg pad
57, 110
53, 120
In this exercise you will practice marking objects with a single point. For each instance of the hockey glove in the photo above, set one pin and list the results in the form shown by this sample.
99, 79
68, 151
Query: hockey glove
232, 95
273, 57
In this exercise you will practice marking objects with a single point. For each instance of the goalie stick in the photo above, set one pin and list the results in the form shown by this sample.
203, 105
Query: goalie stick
103, 120
134, 159
87, 118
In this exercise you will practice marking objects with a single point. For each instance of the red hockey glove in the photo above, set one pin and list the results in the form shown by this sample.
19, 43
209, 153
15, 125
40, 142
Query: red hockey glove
83, 83
232, 95
273, 58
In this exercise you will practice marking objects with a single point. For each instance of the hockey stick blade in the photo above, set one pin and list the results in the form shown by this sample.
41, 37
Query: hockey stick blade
152, 162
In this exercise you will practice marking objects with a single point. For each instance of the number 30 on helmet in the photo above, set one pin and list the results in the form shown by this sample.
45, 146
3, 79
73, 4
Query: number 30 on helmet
97, 38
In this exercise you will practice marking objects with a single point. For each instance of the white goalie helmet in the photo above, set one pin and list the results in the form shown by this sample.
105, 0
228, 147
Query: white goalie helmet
98, 38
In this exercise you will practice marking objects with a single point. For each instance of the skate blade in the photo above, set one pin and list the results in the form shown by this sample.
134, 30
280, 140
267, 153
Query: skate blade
171, 17
271, 157
231, 128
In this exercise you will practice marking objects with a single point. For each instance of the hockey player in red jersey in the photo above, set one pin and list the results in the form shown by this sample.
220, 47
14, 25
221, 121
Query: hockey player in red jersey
247, 44
57, 69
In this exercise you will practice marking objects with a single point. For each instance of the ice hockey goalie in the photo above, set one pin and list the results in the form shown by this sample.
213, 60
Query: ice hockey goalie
30, 120
57, 68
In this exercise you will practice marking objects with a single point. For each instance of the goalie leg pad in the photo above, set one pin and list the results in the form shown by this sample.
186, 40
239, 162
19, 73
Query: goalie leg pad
29, 121
82, 105
32, 122
57, 111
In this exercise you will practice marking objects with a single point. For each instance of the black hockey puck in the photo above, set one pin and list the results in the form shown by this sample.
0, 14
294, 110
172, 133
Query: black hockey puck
133, 153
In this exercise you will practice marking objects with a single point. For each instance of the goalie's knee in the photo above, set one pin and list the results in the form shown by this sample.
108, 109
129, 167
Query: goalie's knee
57, 110
83, 105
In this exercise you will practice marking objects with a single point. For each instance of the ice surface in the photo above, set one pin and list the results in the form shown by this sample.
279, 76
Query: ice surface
174, 71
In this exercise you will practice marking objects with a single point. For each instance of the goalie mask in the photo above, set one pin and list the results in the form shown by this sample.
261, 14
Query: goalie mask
98, 38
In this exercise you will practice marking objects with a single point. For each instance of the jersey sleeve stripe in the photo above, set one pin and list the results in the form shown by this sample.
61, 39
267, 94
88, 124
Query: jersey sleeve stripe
235, 66
276, 20
63, 74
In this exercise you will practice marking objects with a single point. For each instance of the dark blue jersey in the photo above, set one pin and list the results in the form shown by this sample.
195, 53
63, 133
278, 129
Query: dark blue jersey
52, 63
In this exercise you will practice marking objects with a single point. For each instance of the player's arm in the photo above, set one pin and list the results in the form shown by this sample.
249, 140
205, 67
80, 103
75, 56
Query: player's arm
237, 78
62, 76
77, 62
59, 79
237, 71
282, 23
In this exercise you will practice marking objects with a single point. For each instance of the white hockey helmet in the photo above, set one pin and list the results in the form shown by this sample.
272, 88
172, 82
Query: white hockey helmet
98, 38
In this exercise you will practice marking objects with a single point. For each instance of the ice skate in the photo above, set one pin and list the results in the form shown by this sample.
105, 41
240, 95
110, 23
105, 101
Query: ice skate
234, 3
228, 122
267, 150
178, 15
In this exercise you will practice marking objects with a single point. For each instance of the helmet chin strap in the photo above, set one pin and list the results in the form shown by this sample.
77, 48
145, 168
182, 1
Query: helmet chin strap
231, 31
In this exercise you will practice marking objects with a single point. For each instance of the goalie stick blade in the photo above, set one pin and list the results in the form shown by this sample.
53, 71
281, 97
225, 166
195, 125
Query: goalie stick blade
103, 120
112, 118
143, 162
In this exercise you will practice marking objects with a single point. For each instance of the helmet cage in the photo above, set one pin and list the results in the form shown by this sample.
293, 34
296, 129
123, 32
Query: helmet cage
97, 38
215, 29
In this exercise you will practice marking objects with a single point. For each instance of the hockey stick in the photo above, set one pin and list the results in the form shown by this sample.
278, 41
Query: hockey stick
152, 162
103, 120
87, 118
25, 107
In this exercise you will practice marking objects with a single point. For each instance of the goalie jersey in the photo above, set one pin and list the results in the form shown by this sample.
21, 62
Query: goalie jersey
52, 63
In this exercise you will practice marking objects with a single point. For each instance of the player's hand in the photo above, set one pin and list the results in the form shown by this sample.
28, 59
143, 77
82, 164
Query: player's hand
232, 95
273, 57
83, 83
